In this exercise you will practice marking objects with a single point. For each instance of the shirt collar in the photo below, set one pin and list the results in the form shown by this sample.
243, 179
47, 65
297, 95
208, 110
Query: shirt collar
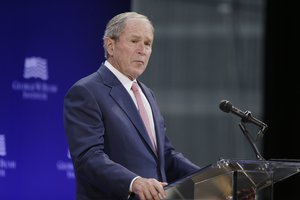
126, 82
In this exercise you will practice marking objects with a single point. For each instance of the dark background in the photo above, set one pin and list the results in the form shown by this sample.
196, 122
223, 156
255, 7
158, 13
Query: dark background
281, 92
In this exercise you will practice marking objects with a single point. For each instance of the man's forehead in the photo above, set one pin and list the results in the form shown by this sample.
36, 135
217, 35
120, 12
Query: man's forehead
138, 22
138, 31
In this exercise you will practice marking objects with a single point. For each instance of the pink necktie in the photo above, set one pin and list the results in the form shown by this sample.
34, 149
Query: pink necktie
142, 111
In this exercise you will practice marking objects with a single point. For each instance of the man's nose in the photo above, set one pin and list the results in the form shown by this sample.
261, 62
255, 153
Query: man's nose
141, 48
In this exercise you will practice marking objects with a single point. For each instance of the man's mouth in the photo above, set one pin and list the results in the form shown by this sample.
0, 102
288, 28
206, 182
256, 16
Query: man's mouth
139, 61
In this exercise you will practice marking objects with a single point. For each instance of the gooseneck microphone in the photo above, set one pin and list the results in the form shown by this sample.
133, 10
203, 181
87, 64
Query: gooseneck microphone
246, 116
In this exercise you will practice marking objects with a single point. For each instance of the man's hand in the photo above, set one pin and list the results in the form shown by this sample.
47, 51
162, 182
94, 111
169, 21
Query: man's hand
149, 189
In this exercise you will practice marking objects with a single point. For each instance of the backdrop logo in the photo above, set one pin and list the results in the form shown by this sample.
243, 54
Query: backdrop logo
36, 85
5, 164
36, 67
66, 166
2, 146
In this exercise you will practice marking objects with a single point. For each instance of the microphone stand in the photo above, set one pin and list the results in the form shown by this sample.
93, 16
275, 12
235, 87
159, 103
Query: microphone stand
249, 138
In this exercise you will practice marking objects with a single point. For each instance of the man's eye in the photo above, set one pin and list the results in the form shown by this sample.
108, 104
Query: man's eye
134, 41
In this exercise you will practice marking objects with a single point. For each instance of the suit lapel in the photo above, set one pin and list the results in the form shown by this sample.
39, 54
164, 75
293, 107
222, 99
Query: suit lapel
120, 95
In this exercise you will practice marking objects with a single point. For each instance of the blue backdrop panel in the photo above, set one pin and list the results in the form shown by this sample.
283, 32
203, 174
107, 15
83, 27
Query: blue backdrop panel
45, 46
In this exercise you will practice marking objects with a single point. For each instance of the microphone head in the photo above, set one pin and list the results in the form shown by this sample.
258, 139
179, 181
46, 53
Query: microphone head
225, 106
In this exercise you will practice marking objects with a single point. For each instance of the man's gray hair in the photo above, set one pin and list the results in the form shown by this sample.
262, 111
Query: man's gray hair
116, 25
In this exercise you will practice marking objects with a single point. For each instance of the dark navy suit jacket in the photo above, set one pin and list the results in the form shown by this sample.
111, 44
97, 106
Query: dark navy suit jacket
108, 142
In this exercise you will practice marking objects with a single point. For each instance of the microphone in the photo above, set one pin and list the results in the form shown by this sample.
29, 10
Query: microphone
246, 116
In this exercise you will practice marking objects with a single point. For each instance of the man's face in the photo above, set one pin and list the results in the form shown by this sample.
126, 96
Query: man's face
130, 53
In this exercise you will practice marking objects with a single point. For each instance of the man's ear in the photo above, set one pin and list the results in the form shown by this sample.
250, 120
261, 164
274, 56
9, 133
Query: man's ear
110, 45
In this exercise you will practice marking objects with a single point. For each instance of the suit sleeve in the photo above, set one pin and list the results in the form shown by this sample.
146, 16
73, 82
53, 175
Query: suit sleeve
176, 165
85, 136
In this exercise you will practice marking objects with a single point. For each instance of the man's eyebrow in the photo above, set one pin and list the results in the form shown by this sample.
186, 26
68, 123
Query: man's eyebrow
138, 36
135, 36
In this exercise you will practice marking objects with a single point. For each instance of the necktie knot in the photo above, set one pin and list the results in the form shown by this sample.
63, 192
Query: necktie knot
134, 87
